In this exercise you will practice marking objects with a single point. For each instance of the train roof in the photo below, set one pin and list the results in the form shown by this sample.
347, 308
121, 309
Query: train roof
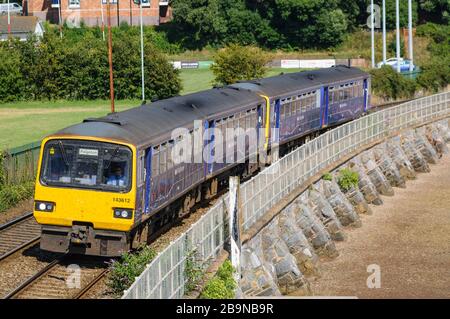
277, 86
153, 123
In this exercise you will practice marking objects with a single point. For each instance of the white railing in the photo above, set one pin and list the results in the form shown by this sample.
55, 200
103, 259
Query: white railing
166, 275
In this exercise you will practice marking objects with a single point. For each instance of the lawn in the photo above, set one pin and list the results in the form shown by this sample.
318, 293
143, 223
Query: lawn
26, 122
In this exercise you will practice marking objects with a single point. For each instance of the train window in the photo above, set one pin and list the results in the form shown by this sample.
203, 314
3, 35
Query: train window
155, 163
57, 167
169, 155
162, 159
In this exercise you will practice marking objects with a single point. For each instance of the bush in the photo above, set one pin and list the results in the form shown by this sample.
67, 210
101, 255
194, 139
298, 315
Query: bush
389, 84
327, 177
236, 62
222, 285
76, 67
347, 179
11, 81
131, 265
435, 75
11, 195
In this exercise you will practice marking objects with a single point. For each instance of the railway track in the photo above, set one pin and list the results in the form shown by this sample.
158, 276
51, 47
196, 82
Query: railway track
18, 234
66, 277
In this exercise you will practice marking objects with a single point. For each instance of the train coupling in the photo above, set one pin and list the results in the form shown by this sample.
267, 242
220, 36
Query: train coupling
79, 235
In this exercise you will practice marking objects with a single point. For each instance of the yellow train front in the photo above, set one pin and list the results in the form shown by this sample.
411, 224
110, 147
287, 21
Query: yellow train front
85, 195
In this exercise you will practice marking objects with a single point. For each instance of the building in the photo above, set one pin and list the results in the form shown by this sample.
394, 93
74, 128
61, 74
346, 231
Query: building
21, 27
93, 12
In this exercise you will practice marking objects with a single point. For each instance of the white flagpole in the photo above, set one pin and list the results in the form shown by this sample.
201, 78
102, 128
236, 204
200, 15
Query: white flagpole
410, 38
384, 31
372, 30
142, 52
397, 10
103, 20
9, 21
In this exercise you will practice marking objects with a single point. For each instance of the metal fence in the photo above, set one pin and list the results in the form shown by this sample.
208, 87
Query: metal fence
20, 163
165, 276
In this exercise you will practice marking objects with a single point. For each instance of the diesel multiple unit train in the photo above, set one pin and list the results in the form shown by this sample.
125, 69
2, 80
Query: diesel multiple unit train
105, 185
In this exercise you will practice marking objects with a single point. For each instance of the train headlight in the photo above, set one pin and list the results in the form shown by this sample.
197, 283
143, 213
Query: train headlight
44, 206
123, 213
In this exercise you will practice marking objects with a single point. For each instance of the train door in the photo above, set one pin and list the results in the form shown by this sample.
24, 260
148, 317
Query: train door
275, 139
209, 162
324, 107
148, 177
366, 97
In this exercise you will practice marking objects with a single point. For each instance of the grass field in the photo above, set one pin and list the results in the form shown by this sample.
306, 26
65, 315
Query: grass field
26, 122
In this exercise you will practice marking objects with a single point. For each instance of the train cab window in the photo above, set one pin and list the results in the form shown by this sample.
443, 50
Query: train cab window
57, 164
86, 164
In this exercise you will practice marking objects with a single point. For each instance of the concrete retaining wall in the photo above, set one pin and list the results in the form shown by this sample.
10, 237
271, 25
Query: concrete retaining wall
285, 255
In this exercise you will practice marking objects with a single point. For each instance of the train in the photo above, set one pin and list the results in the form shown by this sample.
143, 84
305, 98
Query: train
105, 185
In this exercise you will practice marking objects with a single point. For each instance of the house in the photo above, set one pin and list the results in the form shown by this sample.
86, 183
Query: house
21, 27
94, 12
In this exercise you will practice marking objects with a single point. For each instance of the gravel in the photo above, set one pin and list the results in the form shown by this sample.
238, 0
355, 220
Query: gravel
408, 238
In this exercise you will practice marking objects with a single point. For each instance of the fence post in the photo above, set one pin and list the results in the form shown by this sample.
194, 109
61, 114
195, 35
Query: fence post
235, 224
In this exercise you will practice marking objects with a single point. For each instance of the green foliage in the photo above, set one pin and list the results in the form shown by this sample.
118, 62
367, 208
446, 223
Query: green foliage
347, 179
222, 285
193, 272
327, 177
76, 66
437, 11
236, 62
435, 74
11, 82
127, 268
11, 195
387, 83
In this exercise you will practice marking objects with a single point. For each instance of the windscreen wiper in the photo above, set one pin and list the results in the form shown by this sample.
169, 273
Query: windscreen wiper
112, 157
63, 152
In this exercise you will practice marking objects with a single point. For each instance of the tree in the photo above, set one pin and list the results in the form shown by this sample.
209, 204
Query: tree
236, 62
437, 11
11, 83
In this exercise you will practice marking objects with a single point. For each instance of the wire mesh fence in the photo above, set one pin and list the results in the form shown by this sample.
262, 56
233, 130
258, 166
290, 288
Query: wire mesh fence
20, 164
166, 275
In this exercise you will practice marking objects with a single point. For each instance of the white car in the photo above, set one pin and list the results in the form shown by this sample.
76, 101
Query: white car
14, 8
404, 64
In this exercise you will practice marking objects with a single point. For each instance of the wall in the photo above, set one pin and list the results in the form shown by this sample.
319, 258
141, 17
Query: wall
90, 12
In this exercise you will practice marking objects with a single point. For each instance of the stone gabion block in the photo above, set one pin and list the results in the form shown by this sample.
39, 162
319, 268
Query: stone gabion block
444, 130
313, 229
415, 157
387, 166
256, 280
341, 206
289, 276
365, 183
376, 176
326, 214
356, 198
298, 244
436, 140
400, 159
424, 146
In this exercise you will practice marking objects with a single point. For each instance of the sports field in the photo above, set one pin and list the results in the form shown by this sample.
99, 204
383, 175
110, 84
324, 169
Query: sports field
26, 122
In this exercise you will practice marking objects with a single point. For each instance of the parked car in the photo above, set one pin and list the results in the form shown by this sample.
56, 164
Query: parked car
14, 8
404, 64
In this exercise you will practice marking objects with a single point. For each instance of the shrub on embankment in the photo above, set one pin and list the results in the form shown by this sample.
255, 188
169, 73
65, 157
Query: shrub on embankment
11, 195
222, 285
76, 67
127, 268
